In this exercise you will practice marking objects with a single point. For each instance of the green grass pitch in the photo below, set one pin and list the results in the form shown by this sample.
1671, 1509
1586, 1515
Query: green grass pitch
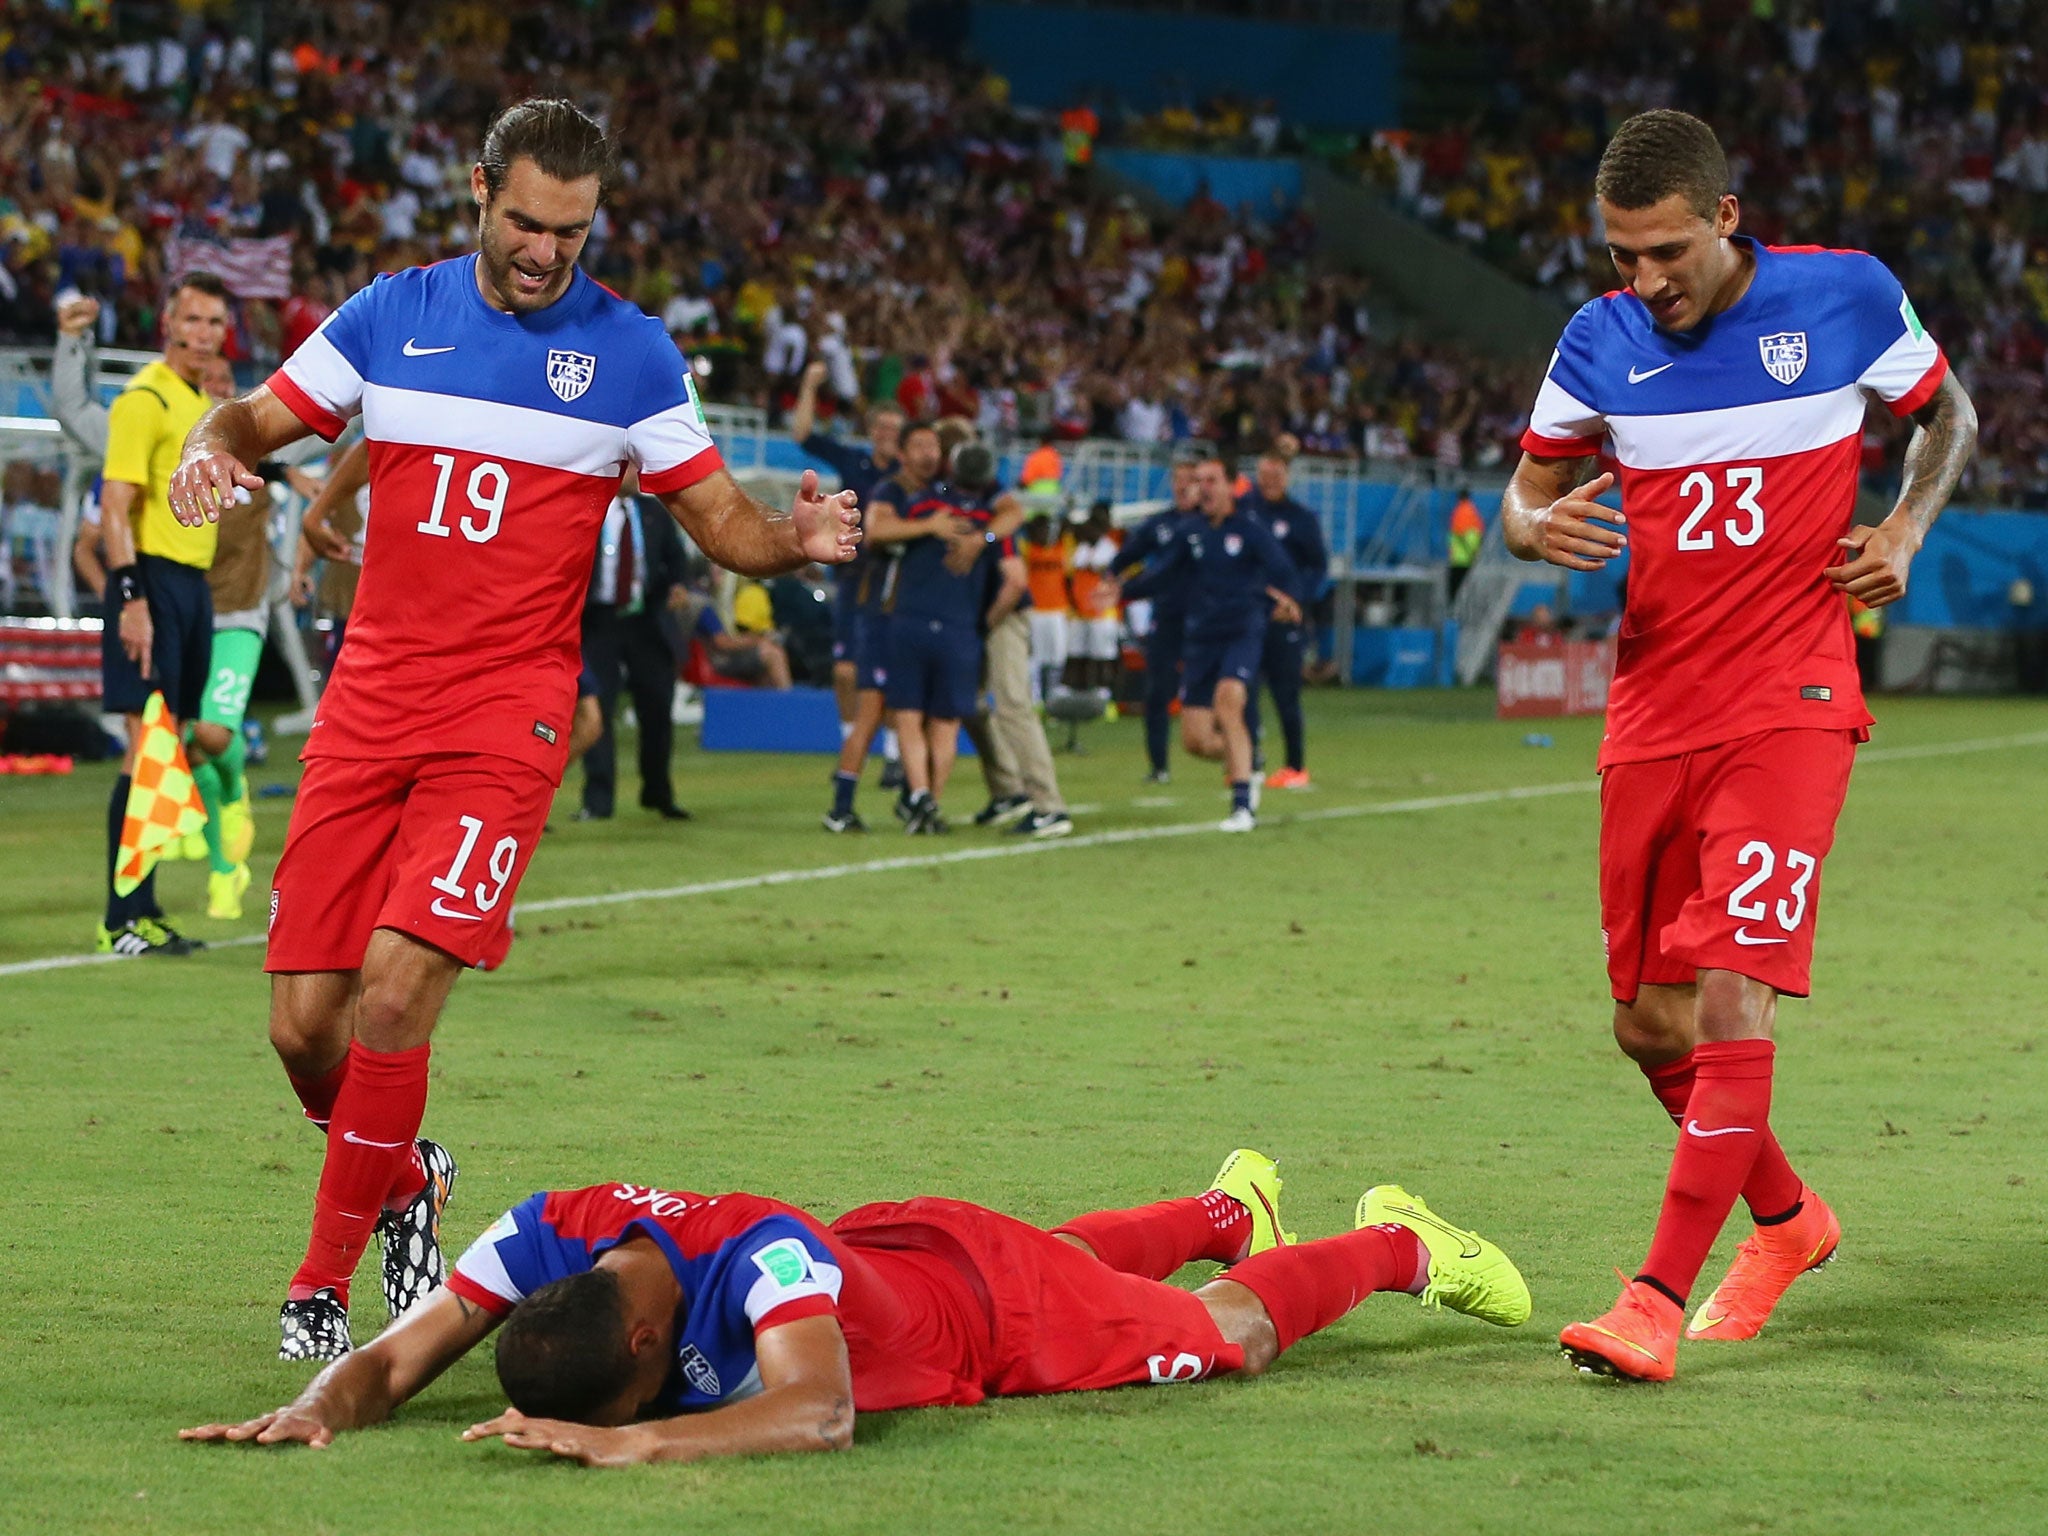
1409, 993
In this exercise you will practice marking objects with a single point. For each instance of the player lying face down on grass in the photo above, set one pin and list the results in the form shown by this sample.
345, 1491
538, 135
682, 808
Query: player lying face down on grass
641, 1324
503, 396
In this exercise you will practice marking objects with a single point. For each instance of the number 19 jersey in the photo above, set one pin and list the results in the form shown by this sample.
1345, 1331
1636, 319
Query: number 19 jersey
497, 442
1738, 445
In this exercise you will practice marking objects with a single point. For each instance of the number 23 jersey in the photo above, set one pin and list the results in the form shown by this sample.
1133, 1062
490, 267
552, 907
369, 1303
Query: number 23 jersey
497, 442
1738, 445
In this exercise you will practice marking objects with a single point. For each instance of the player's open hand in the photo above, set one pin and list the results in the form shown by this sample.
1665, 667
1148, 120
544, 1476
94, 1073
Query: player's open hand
828, 527
1875, 573
282, 1426
205, 482
1567, 536
1285, 609
327, 544
586, 1443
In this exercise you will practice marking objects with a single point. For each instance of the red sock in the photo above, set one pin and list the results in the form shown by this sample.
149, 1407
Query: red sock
1726, 1119
1772, 1188
376, 1117
1155, 1240
1311, 1285
319, 1093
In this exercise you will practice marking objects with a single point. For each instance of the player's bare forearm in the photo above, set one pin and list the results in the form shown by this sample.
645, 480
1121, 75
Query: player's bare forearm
1009, 515
248, 428
753, 539
1547, 511
1944, 437
1880, 558
363, 1387
222, 449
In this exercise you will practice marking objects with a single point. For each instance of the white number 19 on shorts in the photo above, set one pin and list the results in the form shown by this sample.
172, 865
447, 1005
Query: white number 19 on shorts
486, 895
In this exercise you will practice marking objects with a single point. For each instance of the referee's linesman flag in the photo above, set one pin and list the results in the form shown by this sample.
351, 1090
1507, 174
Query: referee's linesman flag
163, 802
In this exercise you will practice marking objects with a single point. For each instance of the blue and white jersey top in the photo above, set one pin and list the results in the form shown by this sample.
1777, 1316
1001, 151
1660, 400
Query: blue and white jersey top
745, 1264
1737, 446
497, 442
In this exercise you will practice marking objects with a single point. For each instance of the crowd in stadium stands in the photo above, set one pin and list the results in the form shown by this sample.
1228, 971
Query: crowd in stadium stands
795, 188
1918, 132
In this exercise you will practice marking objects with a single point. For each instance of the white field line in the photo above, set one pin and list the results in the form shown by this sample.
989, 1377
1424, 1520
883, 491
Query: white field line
1012, 848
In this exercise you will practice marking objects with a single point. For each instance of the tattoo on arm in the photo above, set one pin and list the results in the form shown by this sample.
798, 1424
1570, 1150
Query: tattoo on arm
1944, 436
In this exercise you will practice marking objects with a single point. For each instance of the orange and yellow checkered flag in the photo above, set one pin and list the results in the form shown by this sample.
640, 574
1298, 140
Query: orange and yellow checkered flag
163, 802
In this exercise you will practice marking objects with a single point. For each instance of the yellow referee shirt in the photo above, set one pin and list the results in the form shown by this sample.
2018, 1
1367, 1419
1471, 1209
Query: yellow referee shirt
146, 428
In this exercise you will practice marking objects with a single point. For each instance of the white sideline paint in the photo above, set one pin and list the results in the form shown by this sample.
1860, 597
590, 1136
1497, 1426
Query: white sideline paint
1021, 847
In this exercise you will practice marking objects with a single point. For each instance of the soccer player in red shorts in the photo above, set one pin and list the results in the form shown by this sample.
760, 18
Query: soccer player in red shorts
503, 396
1727, 382
630, 1310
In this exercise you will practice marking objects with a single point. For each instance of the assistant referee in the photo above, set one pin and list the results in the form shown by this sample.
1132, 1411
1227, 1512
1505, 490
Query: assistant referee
159, 612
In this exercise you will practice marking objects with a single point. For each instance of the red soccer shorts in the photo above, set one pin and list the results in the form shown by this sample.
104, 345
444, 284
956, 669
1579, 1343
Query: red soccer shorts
431, 846
1712, 859
1060, 1320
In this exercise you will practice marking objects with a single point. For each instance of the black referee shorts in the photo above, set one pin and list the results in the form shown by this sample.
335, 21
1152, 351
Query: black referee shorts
181, 612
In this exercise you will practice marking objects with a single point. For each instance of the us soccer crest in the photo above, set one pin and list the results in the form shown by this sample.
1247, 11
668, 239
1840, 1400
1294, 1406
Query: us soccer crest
1232, 544
1784, 355
570, 373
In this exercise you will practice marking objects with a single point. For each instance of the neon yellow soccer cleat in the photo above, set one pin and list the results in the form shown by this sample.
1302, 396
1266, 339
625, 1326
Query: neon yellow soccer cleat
1253, 1180
224, 893
1466, 1272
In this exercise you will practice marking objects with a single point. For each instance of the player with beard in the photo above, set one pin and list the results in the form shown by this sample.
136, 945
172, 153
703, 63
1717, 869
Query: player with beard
503, 396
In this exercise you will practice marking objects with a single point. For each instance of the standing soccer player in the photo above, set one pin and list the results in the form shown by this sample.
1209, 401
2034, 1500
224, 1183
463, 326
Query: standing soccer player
1297, 531
503, 396
1727, 381
1235, 576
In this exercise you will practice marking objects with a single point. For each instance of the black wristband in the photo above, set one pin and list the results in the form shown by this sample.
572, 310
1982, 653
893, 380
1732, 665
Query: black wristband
126, 584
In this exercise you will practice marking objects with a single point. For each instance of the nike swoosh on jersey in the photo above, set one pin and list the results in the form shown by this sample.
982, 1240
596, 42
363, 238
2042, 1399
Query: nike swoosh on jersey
441, 909
364, 1141
412, 348
1650, 373
1692, 1128
1744, 936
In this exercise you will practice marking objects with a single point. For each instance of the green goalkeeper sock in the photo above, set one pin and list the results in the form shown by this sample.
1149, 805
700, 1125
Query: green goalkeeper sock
207, 777
229, 766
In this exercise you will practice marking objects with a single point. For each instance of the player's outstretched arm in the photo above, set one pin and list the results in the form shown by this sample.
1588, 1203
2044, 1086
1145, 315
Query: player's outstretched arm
222, 449
362, 1387
1546, 515
750, 537
1944, 437
806, 1404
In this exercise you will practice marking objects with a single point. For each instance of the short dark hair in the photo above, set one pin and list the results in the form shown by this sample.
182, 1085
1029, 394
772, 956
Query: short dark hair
208, 283
558, 136
564, 1353
912, 428
1655, 154
973, 467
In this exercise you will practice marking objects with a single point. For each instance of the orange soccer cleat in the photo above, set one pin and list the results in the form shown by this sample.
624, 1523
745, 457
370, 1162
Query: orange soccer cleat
1766, 1264
1288, 778
1638, 1339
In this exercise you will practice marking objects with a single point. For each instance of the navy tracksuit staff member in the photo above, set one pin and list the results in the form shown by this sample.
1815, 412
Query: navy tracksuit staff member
935, 609
1165, 639
1298, 532
1238, 574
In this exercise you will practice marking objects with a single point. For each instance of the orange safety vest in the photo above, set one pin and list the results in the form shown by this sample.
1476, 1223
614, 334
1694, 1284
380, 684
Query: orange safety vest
1045, 573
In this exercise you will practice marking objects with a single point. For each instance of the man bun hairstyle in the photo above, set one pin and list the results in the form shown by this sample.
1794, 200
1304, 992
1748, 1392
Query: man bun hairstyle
558, 136
564, 1353
1657, 153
